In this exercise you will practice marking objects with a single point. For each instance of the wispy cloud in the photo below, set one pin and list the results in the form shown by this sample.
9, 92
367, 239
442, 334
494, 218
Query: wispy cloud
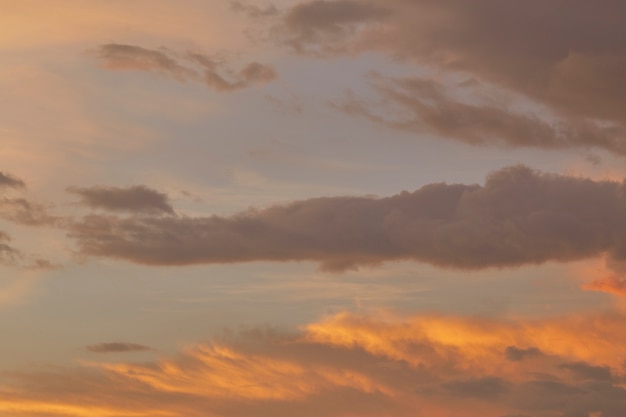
190, 66
423, 105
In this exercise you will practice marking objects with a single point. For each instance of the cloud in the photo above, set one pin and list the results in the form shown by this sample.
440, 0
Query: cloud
8, 254
25, 212
327, 22
424, 105
117, 347
368, 364
611, 284
131, 57
568, 56
586, 371
137, 199
518, 217
9, 181
516, 354
191, 66
253, 10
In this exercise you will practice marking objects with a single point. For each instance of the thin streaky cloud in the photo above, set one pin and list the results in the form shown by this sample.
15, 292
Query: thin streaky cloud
191, 66
117, 347
425, 106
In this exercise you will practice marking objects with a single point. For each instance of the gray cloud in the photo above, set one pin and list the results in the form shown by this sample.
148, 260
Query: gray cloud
191, 66
131, 57
515, 354
25, 212
9, 181
486, 388
570, 56
518, 217
138, 199
327, 23
424, 106
587, 372
117, 347
8, 254
253, 10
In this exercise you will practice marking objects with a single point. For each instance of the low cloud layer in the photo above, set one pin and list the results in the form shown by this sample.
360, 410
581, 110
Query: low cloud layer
569, 56
347, 364
190, 66
136, 199
518, 217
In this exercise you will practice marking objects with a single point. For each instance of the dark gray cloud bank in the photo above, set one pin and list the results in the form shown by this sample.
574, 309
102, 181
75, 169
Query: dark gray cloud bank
190, 66
519, 216
567, 55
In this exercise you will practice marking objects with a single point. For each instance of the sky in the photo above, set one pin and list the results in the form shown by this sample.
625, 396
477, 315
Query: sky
337, 208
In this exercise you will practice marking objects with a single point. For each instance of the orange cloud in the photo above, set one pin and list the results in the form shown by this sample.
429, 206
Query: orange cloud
357, 365
611, 284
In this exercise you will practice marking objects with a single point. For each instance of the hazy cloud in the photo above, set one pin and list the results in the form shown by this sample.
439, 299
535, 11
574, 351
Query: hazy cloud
9, 181
585, 371
131, 57
570, 56
518, 217
190, 66
137, 199
253, 10
327, 23
26, 212
117, 347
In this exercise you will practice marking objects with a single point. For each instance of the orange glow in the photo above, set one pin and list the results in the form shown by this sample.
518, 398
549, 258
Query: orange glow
610, 284
598, 339
45, 408
218, 371
439, 365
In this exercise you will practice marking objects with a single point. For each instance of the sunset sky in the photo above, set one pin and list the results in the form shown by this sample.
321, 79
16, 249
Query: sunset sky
326, 208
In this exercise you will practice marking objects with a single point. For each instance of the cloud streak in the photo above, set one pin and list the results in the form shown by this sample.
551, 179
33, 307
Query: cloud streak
117, 347
191, 66
422, 105
518, 217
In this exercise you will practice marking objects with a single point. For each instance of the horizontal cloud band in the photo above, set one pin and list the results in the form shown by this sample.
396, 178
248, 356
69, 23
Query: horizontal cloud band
519, 216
